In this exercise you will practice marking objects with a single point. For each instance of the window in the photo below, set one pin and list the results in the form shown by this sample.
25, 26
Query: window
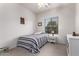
51, 25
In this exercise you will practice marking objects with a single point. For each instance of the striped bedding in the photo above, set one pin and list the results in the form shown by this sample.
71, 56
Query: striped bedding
32, 42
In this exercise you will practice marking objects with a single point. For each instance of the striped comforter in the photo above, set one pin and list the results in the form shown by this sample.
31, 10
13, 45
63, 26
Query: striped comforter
32, 42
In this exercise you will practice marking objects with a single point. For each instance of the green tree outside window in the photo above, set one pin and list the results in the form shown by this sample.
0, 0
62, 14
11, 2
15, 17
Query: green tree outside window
51, 26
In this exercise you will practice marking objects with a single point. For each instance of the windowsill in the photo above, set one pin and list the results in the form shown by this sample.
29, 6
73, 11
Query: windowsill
53, 35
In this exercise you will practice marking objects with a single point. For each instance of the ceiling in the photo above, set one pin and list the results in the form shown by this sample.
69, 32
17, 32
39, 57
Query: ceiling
34, 6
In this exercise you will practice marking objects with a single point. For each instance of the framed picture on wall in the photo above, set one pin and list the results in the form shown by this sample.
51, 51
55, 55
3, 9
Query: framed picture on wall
39, 23
22, 20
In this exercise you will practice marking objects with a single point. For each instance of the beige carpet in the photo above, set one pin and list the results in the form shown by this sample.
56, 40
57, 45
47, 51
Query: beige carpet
49, 49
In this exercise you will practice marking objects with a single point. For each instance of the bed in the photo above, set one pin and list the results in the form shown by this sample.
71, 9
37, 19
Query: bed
32, 43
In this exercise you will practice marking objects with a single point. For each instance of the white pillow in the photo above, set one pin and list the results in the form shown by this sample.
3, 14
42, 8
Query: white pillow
38, 33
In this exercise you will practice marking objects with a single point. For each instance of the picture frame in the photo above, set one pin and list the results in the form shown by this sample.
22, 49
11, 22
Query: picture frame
22, 20
39, 23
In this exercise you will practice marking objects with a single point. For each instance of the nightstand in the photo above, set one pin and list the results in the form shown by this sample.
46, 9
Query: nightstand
52, 39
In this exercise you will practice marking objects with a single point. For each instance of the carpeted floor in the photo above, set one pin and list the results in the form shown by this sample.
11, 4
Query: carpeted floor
49, 49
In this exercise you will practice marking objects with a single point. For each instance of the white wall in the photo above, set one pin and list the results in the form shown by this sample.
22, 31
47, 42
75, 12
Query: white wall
77, 18
10, 27
66, 20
